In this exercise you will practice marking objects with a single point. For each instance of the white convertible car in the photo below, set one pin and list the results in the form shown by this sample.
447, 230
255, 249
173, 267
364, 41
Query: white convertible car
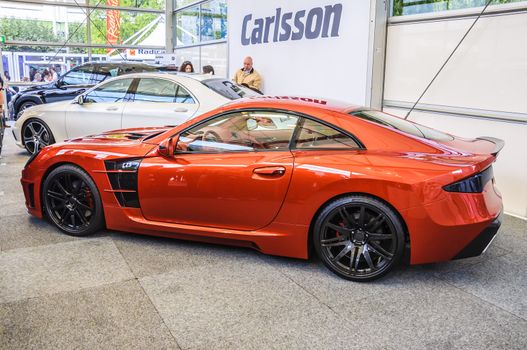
133, 100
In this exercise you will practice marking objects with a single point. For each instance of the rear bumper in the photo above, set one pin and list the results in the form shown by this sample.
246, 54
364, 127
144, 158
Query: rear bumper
480, 244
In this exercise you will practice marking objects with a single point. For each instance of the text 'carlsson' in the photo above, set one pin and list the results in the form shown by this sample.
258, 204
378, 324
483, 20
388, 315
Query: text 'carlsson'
319, 22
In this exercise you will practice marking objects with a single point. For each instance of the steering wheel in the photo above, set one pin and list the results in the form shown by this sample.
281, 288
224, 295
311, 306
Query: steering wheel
211, 136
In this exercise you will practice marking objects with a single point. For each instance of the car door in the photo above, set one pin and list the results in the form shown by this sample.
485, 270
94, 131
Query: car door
159, 102
229, 172
71, 84
100, 111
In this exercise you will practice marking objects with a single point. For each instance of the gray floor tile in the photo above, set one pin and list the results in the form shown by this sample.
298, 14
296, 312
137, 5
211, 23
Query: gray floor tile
154, 255
116, 316
501, 281
36, 271
436, 316
239, 304
24, 230
331, 290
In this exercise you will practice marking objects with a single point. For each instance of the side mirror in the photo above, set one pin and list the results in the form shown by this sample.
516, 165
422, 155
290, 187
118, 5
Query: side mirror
58, 83
80, 100
167, 147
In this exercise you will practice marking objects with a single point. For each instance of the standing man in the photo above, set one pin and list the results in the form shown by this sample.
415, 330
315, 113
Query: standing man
248, 75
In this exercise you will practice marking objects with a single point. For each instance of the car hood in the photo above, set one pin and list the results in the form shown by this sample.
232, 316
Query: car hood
33, 88
126, 143
50, 107
123, 136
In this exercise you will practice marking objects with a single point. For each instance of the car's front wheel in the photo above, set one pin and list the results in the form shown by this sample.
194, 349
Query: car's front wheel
36, 135
359, 238
72, 202
23, 107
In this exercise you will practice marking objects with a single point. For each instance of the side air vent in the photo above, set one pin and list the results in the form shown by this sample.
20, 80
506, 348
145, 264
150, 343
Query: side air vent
123, 178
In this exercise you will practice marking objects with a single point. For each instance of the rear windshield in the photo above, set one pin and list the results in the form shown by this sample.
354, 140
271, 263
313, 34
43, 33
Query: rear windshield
229, 89
400, 124
113, 70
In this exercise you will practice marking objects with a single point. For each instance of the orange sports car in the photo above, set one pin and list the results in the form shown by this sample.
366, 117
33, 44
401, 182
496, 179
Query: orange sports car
285, 176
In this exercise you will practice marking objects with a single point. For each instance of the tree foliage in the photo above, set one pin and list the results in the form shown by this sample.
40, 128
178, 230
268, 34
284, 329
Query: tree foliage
43, 31
405, 7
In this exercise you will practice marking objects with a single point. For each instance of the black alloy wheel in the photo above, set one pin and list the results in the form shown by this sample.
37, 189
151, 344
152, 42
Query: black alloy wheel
23, 107
72, 201
36, 135
359, 238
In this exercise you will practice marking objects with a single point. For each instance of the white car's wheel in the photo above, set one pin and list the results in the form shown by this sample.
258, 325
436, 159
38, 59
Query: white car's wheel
36, 135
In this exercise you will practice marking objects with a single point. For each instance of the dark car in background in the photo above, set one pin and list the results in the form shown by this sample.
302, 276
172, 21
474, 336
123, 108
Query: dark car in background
73, 83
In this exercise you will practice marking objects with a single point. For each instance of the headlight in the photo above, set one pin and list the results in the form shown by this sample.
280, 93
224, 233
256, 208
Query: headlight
473, 184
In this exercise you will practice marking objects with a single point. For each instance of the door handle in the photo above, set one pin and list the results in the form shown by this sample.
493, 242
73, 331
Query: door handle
181, 110
270, 171
113, 108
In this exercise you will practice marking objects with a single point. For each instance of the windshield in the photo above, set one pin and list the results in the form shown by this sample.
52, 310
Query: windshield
229, 89
400, 124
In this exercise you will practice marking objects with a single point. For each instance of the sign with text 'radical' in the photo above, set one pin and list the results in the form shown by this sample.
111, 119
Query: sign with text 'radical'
306, 48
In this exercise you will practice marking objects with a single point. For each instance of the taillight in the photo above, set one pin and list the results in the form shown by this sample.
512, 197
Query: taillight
473, 184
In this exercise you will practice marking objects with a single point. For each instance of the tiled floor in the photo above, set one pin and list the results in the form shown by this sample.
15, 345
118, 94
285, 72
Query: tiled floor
124, 291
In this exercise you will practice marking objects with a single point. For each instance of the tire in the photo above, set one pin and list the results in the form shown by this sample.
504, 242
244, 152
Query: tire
23, 107
358, 238
36, 135
72, 202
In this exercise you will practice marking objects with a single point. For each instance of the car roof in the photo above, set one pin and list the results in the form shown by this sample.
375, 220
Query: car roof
294, 103
172, 76
118, 63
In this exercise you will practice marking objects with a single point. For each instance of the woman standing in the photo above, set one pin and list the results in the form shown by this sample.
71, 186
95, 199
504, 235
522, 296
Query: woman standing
186, 67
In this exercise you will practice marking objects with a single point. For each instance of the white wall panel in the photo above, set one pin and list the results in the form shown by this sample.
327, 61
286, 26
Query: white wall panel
489, 70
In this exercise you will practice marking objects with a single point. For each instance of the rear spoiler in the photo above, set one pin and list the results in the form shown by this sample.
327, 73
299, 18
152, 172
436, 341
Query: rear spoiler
498, 144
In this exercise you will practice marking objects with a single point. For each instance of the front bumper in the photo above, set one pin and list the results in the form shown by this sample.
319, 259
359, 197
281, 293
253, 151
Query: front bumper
17, 136
480, 244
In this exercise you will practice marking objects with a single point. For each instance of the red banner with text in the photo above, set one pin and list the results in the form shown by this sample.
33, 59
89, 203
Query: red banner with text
113, 23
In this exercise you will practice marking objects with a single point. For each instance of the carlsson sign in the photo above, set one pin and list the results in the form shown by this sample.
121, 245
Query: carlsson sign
317, 22
308, 48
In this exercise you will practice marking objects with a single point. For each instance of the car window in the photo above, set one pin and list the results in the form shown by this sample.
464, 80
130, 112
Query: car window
243, 131
78, 76
114, 91
313, 135
229, 89
403, 125
161, 90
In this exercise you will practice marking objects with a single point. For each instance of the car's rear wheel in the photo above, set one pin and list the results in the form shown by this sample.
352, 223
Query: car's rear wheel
72, 201
359, 238
36, 135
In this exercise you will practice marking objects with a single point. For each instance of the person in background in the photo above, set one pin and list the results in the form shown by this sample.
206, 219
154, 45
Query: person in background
32, 72
208, 70
186, 67
248, 76
7, 76
53, 73
37, 78
1, 94
46, 76
2, 102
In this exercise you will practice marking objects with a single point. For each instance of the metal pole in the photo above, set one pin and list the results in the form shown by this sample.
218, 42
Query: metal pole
169, 34
88, 29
